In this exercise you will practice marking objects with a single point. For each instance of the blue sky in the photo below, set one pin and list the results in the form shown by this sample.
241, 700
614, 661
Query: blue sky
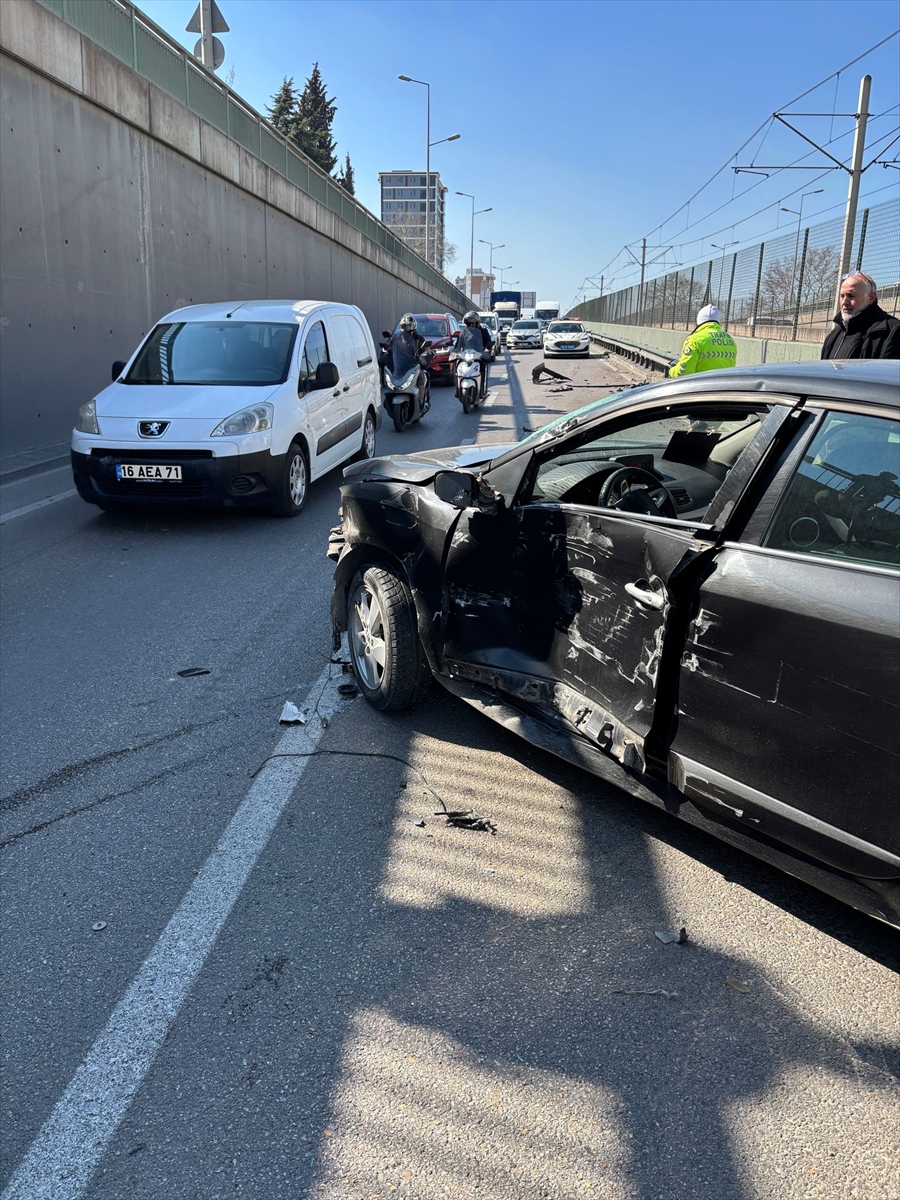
584, 124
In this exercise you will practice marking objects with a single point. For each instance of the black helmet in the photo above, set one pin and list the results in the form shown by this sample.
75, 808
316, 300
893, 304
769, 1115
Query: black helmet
471, 318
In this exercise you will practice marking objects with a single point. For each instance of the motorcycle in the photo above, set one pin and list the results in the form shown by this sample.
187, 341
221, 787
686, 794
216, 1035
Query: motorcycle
468, 379
407, 387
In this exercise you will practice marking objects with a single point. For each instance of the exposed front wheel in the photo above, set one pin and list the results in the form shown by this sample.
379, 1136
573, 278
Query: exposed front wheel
387, 656
399, 415
294, 483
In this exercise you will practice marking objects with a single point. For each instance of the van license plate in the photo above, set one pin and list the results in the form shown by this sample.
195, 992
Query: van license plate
149, 472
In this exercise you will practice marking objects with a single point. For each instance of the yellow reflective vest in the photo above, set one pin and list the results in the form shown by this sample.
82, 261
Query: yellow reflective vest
707, 349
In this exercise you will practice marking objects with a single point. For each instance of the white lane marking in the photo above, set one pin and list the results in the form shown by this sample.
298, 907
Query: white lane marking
62, 1158
27, 508
467, 442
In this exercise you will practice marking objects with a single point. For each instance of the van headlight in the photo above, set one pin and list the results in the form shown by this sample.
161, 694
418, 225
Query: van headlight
253, 419
86, 421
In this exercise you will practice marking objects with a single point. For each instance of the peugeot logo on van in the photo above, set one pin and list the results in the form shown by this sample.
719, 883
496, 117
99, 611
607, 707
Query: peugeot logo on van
152, 429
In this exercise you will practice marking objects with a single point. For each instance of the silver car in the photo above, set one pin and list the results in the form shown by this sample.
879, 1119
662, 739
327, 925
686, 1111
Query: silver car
525, 335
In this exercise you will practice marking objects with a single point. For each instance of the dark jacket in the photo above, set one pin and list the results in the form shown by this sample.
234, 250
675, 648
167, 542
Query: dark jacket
871, 333
474, 337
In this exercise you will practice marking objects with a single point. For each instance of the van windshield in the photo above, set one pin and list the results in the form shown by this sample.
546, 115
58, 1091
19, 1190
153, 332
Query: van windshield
215, 353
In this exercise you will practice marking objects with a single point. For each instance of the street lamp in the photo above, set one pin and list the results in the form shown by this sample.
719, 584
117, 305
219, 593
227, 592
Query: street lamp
715, 246
472, 243
501, 270
428, 144
494, 246
454, 137
798, 213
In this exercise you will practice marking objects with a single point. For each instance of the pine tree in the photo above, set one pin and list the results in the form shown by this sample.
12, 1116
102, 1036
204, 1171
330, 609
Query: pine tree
311, 125
345, 177
283, 109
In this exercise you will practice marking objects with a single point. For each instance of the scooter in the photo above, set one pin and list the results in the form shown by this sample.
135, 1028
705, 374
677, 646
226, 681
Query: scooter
407, 387
468, 379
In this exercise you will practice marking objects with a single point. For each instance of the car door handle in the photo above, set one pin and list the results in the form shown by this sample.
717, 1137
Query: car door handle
346, 388
336, 392
644, 595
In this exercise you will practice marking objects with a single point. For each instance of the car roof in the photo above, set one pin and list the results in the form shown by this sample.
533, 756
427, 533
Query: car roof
282, 311
868, 382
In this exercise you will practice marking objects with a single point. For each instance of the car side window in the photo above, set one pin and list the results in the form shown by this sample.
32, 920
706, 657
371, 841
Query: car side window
689, 451
844, 498
315, 351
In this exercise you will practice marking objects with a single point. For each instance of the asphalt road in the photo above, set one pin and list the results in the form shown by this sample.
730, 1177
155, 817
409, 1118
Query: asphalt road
300, 991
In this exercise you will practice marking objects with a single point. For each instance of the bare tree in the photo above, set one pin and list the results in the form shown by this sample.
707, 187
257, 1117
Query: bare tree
820, 273
410, 228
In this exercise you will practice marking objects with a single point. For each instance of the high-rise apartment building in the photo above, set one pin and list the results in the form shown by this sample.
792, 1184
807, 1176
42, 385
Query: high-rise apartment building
403, 200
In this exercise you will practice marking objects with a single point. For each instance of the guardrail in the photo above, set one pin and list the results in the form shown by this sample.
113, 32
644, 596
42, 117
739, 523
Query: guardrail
642, 355
129, 35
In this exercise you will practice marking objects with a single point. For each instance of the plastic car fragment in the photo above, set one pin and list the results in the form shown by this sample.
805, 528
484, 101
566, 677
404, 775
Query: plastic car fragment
668, 939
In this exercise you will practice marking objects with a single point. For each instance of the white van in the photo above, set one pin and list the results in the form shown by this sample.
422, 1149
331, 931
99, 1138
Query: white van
234, 404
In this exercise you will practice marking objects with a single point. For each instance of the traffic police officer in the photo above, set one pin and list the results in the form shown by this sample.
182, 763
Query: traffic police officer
708, 348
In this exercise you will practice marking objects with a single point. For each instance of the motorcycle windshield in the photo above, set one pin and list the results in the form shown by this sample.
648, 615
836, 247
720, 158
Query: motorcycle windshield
403, 358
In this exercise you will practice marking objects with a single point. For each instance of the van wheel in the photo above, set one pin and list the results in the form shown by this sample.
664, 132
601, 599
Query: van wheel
387, 656
367, 449
294, 483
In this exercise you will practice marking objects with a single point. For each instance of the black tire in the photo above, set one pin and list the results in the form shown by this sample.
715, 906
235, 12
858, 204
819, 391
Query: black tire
381, 623
467, 407
367, 449
293, 486
399, 415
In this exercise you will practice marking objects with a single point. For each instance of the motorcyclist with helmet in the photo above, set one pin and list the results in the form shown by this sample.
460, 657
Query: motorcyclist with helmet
474, 336
410, 342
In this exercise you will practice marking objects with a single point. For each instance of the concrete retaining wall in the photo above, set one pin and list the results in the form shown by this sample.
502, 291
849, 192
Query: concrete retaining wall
749, 350
119, 204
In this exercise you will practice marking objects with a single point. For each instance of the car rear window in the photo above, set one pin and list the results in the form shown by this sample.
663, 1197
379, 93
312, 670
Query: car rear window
215, 353
431, 327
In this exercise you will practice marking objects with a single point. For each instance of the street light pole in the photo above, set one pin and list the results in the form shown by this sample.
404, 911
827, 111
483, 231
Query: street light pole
799, 216
493, 247
472, 243
722, 266
427, 86
501, 270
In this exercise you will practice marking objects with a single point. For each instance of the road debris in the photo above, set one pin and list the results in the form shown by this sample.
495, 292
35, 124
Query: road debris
737, 984
668, 939
420, 824
291, 715
98, 926
348, 689
645, 992
466, 819
190, 672
563, 387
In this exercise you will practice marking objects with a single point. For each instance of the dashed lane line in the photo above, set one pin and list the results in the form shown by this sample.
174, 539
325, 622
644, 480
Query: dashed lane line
62, 1158
29, 508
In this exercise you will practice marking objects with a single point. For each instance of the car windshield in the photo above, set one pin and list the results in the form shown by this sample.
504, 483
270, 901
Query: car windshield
546, 314
565, 327
431, 327
215, 353
488, 319
527, 325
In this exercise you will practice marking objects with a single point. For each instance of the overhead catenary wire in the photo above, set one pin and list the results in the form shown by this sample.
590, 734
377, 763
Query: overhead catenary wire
763, 125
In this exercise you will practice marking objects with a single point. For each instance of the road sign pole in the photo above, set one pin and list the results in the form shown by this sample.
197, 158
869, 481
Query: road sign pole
207, 56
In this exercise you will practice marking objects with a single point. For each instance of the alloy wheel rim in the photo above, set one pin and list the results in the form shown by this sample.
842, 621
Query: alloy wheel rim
298, 480
369, 438
367, 638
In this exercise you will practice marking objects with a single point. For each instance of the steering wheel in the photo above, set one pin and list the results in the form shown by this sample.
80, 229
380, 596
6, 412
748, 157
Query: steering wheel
618, 491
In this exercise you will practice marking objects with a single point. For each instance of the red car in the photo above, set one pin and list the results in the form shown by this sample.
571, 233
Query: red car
437, 328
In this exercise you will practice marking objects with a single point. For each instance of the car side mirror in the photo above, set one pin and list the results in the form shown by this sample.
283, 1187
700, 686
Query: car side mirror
327, 375
117, 368
458, 488
425, 345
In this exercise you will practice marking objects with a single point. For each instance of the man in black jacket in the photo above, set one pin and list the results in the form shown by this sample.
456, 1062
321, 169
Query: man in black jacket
861, 328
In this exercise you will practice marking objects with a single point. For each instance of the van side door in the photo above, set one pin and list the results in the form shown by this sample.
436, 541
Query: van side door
323, 405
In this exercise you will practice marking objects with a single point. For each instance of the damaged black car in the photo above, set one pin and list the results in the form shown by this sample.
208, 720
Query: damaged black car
691, 590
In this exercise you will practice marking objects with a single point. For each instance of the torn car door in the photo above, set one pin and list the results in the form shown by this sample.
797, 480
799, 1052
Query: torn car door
566, 607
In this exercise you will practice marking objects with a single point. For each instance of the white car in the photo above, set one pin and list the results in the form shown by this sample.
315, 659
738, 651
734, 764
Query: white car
566, 337
236, 405
492, 325
524, 335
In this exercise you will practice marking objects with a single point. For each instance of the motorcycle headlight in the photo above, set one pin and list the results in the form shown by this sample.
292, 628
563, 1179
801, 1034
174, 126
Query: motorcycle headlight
253, 419
86, 421
469, 356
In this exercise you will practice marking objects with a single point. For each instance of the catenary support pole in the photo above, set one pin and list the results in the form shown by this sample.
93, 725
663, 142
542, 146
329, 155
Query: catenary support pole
856, 168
